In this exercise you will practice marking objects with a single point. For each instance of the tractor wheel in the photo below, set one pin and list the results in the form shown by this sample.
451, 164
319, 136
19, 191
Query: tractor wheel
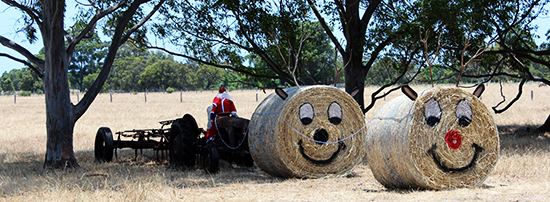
104, 145
183, 138
247, 160
210, 158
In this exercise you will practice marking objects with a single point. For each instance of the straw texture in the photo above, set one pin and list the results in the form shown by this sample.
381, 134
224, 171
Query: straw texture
284, 143
404, 151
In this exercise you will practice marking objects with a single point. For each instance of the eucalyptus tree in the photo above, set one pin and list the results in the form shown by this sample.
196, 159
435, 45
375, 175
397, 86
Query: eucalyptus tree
494, 37
515, 54
130, 62
272, 42
87, 59
163, 72
454, 30
120, 21
391, 30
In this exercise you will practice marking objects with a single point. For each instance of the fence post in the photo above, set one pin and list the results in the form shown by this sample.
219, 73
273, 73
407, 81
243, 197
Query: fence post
15, 98
531, 94
145, 94
181, 96
111, 96
256, 97
77, 97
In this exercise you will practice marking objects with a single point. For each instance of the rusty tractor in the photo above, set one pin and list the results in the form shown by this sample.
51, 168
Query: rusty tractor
184, 142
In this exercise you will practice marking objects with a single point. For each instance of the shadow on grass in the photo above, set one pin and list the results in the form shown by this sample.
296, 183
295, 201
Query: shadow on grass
23, 173
521, 139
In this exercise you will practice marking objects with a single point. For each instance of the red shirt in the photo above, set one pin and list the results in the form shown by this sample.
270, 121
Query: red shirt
222, 105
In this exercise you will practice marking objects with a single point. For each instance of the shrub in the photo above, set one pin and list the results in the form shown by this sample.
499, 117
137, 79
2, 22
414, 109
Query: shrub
169, 90
25, 93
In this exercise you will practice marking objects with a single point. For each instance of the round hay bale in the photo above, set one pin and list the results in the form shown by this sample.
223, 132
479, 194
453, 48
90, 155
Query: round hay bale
317, 131
445, 139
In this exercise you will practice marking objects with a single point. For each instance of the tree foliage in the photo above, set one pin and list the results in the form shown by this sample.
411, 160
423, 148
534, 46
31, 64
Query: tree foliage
261, 39
21, 80
87, 59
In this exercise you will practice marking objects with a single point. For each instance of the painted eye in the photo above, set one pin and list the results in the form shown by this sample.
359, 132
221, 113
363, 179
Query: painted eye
306, 113
334, 113
432, 112
464, 113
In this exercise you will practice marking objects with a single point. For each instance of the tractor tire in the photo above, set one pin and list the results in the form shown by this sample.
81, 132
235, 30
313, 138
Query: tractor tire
210, 158
248, 161
183, 138
104, 145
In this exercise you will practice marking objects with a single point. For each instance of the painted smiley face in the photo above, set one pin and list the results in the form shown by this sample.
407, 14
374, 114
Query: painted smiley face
321, 131
453, 138
457, 134
440, 138
320, 135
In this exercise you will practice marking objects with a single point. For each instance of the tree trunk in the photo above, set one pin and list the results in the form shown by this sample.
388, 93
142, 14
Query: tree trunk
355, 78
545, 127
61, 114
355, 72
59, 121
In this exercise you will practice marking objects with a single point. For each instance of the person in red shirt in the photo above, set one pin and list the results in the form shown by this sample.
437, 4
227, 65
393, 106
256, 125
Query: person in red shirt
222, 105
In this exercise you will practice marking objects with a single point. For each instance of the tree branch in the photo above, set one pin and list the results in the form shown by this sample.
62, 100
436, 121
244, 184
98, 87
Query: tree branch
30, 12
374, 96
425, 42
524, 54
377, 50
141, 23
326, 27
91, 25
95, 88
248, 83
35, 69
224, 40
516, 51
341, 11
520, 91
16, 47
270, 62
373, 5
213, 64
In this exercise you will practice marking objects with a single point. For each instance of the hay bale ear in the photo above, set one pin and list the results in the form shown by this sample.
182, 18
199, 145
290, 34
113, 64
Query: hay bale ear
281, 93
479, 90
354, 92
409, 92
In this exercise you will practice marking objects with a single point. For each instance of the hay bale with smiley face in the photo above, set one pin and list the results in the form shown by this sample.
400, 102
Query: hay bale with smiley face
444, 138
308, 132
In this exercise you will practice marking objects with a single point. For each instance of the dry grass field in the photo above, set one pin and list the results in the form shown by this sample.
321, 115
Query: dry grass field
521, 174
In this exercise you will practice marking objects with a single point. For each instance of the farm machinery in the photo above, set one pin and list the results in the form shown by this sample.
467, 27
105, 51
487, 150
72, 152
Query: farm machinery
185, 142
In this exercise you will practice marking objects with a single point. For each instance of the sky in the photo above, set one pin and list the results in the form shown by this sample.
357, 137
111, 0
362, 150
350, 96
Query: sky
9, 24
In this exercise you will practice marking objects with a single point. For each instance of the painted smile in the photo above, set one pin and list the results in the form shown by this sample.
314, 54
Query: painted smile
341, 146
437, 160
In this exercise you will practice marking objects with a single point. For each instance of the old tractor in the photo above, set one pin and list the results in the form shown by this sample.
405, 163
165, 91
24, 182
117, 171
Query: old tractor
185, 142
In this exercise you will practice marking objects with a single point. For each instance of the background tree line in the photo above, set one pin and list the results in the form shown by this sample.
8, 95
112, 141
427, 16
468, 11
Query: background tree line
138, 69
134, 70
